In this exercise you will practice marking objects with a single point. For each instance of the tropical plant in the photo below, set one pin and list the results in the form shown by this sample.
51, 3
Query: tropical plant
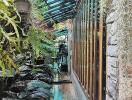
38, 9
42, 44
9, 35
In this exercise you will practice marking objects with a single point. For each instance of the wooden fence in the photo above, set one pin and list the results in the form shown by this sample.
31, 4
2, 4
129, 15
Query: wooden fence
89, 49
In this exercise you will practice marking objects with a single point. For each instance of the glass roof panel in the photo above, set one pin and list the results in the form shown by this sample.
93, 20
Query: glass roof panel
68, 3
61, 32
55, 3
60, 9
56, 11
48, 1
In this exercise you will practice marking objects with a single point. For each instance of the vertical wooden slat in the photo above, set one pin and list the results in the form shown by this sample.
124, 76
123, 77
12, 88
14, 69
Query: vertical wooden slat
87, 62
80, 47
86, 47
83, 40
78, 30
85, 69
100, 57
86, 51
75, 52
79, 44
91, 52
95, 53
77, 64
75, 46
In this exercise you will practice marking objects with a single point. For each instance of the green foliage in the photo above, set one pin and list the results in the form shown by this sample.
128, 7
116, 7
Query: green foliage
59, 26
6, 60
38, 9
42, 44
9, 40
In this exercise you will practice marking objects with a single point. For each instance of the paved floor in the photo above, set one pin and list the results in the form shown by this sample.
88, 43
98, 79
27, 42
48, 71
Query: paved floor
65, 91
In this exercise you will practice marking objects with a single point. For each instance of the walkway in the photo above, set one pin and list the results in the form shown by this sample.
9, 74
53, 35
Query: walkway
65, 91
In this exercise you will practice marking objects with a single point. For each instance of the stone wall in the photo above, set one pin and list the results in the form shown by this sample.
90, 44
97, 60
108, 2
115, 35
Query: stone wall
119, 51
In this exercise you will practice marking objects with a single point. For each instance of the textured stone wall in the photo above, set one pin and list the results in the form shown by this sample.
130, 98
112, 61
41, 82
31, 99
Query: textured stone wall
119, 51
112, 64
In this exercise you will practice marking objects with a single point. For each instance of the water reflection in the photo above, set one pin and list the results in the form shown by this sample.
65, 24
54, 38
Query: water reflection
58, 94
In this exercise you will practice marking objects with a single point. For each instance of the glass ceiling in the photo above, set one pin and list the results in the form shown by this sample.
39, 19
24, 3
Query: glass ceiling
59, 10
61, 32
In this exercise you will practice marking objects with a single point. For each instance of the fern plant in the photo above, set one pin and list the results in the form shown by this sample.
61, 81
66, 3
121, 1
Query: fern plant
42, 45
9, 39
38, 9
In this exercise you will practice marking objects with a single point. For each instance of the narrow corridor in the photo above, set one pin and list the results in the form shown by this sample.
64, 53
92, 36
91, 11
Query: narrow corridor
64, 91
65, 49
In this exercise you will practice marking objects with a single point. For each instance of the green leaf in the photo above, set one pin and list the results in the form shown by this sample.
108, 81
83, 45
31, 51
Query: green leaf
11, 21
3, 68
